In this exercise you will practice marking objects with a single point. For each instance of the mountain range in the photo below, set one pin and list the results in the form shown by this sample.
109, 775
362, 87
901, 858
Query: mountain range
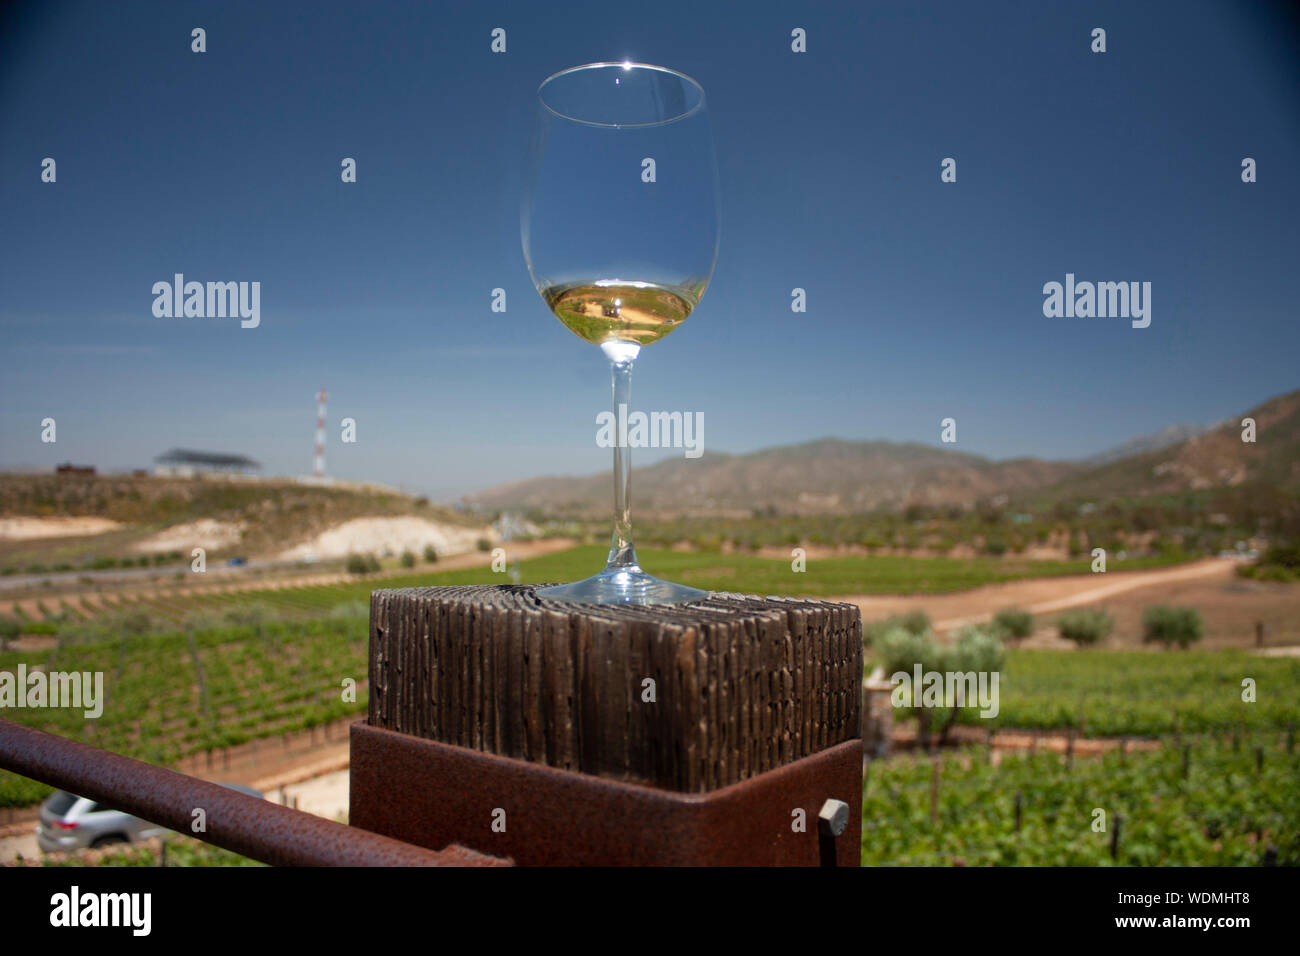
835, 476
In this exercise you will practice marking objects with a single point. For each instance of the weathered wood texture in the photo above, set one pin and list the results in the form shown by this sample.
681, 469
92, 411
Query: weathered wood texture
742, 684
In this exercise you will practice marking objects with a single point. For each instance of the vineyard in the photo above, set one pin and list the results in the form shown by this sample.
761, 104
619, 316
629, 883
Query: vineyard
1140, 693
188, 673
1202, 802
171, 694
711, 570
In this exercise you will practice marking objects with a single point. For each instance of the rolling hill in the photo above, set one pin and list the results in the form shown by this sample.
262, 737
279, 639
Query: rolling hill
833, 476
258, 517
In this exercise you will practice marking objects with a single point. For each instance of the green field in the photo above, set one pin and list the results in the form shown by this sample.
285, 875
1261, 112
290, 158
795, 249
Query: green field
274, 661
1143, 693
1225, 812
712, 570
263, 677
257, 681
824, 577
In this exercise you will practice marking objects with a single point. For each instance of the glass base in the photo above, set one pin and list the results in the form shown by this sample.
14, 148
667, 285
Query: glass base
628, 585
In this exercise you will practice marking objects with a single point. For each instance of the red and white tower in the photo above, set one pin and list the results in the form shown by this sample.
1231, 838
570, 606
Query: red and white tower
318, 465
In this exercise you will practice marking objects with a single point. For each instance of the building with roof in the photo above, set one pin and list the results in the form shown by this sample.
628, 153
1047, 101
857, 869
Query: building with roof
186, 463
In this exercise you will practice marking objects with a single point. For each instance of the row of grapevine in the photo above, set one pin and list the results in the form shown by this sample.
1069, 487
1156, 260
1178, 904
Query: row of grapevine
1202, 802
258, 680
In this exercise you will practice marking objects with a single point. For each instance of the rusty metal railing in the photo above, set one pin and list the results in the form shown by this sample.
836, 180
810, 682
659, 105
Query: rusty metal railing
235, 821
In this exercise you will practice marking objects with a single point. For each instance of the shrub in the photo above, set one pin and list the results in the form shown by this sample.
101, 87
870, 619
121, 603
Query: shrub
1279, 563
1172, 625
484, 544
918, 622
362, 563
430, 554
900, 649
914, 622
9, 629
408, 559
1013, 623
996, 547
1085, 626
1283, 555
975, 649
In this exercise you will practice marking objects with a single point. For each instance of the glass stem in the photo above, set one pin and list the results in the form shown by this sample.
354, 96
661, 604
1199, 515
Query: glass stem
622, 552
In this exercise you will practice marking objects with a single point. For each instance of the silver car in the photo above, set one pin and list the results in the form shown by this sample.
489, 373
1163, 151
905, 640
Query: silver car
69, 822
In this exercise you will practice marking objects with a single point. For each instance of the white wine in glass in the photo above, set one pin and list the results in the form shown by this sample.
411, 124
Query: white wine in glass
617, 310
620, 231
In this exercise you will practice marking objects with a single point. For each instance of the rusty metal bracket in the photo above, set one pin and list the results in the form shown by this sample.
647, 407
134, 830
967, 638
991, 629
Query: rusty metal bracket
433, 794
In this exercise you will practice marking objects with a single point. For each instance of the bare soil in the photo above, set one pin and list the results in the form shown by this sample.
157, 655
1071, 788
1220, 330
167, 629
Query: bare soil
32, 528
1230, 605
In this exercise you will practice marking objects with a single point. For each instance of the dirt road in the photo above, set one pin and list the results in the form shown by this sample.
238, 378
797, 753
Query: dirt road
1230, 605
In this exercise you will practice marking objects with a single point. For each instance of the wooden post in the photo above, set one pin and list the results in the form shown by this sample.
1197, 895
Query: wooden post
1259, 633
1020, 808
1114, 837
724, 731
691, 697
198, 673
934, 791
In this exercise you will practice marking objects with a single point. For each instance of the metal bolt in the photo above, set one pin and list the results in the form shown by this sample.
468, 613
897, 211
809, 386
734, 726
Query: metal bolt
833, 818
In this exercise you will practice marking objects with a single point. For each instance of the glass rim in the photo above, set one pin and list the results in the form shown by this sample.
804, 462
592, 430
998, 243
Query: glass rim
626, 65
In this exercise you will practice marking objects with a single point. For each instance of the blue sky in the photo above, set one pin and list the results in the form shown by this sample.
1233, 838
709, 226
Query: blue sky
924, 298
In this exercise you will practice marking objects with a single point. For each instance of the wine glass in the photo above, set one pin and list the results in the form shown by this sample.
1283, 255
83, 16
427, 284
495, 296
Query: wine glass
620, 231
